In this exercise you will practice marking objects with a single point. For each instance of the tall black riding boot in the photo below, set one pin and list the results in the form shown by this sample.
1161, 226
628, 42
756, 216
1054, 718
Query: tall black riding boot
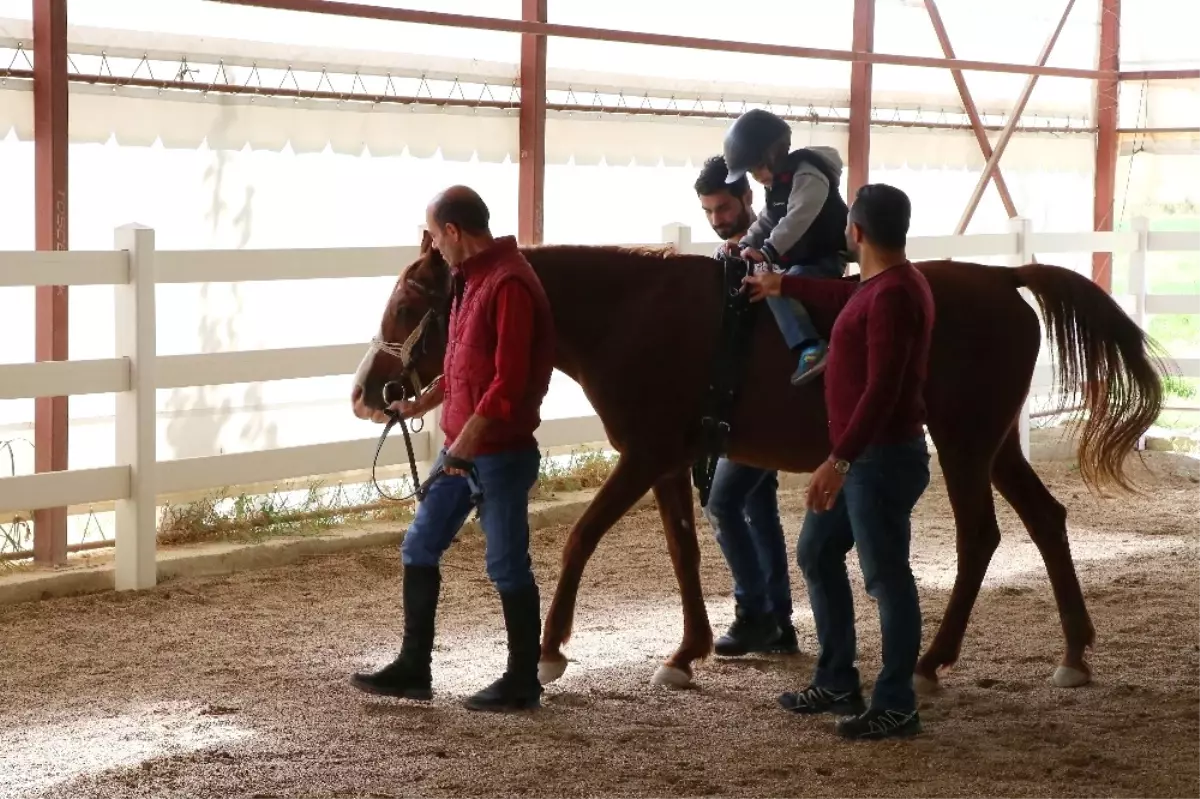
519, 688
408, 676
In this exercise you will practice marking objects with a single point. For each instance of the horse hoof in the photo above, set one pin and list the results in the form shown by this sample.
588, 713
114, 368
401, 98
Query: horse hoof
551, 670
669, 676
925, 686
1068, 677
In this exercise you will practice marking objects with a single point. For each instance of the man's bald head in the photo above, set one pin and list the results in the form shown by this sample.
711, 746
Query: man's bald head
462, 207
457, 220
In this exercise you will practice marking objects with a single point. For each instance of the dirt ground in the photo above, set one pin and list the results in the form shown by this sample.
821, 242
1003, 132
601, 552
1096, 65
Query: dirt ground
237, 686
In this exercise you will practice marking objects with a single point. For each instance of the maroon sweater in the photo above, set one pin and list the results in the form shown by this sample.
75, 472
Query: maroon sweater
878, 355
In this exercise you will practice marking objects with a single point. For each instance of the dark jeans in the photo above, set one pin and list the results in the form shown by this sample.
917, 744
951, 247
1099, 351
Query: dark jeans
505, 480
874, 513
792, 317
744, 512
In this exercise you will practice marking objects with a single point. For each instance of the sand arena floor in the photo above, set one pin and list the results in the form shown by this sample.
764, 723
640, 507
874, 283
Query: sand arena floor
237, 686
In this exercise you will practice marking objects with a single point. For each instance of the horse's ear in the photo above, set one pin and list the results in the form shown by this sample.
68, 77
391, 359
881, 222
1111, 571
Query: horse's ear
426, 242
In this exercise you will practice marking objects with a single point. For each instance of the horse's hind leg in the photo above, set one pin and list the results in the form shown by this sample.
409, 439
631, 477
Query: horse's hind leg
966, 473
1046, 520
630, 479
674, 495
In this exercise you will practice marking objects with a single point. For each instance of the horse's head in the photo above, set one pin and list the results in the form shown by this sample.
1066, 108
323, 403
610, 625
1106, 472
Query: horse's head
407, 352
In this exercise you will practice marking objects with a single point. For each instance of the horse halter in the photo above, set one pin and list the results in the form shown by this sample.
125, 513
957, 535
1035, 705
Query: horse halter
404, 353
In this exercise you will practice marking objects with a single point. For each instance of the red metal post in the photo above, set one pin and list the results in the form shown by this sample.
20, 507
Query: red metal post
1107, 138
1011, 127
532, 136
939, 28
473, 22
50, 204
859, 147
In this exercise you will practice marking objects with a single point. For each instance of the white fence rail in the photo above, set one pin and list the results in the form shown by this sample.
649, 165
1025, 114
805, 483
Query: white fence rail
135, 268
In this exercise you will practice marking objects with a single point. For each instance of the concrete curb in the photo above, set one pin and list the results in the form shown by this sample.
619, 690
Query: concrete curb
206, 560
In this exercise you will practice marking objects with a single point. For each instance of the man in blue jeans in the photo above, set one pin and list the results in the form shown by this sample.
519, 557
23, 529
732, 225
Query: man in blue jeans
499, 357
802, 227
864, 494
743, 507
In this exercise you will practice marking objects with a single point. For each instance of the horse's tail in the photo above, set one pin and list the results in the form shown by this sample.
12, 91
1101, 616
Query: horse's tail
1105, 357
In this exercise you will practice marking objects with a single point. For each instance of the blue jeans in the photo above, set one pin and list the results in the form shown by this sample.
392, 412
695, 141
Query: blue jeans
744, 512
792, 317
874, 513
505, 480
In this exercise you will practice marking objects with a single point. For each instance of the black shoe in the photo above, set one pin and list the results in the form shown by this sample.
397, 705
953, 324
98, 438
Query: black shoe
408, 676
787, 643
519, 688
875, 724
401, 678
814, 699
748, 634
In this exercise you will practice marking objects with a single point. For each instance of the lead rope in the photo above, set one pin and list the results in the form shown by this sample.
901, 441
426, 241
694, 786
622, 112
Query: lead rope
393, 420
404, 353
422, 488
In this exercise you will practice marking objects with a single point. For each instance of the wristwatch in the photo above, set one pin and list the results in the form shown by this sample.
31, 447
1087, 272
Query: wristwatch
840, 466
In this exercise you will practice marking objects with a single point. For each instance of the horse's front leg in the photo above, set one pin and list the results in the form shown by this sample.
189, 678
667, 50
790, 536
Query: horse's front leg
674, 496
630, 479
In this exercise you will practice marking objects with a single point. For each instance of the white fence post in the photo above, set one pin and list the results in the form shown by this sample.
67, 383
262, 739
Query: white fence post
1137, 269
1023, 255
677, 235
1138, 282
136, 427
431, 423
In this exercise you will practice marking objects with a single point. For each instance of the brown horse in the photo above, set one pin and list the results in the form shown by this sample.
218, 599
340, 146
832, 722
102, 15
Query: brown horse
637, 330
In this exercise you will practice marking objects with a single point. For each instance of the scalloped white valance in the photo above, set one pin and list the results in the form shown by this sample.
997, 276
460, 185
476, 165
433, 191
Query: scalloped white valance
139, 117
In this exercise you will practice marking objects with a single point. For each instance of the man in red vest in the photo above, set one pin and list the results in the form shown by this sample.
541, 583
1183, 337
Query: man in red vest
496, 372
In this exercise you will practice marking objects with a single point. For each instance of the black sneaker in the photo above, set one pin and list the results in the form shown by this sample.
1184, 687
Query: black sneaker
748, 634
814, 699
876, 724
787, 643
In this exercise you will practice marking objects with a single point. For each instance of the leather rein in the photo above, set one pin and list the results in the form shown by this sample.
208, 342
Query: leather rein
393, 390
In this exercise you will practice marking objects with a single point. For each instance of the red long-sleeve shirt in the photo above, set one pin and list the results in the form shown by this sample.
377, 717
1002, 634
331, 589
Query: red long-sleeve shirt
514, 346
878, 355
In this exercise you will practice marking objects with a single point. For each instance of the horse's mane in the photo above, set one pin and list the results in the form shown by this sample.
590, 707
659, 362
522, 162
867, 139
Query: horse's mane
663, 251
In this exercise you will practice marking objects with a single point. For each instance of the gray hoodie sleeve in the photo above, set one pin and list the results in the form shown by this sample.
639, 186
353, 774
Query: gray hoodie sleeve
759, 230
809, 191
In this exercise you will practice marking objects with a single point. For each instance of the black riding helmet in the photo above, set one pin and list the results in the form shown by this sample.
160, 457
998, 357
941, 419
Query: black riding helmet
748, 140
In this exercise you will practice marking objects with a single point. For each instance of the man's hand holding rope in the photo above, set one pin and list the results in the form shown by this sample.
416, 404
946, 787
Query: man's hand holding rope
413, 409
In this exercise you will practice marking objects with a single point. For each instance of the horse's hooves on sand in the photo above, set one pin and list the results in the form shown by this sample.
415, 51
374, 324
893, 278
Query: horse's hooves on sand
551, 670
1068, 677
669, 676
925, 686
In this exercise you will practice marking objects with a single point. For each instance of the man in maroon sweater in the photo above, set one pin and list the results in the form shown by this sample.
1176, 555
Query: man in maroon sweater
864, 494
496, 372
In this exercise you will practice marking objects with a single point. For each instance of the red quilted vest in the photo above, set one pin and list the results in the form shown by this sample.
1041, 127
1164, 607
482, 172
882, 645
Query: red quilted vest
470, 364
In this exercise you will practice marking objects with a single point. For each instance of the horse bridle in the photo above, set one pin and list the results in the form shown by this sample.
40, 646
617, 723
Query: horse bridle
417, 340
